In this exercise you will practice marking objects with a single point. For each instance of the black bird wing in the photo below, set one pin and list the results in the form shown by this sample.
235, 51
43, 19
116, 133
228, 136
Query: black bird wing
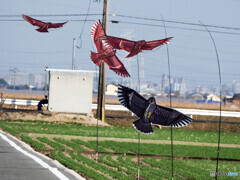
166, 117
132, 100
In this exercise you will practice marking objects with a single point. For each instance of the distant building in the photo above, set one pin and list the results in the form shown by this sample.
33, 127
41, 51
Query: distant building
177, 85
21, 79
35, 80
212, 97
112, 89
236, 87
196, 97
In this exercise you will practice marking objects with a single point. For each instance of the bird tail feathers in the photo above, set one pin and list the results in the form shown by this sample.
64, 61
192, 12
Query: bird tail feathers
142, 127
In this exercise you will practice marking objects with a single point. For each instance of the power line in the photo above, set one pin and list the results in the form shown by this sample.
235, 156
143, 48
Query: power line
50, 15
126, 16
178, 22
80, 36
173, 27
18, 20
89, 5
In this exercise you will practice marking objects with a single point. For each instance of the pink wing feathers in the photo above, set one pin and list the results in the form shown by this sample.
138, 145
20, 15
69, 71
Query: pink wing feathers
33, 21
120, 43
56, 25
135, 47
105, 51
43, 26
153, 44
97, 33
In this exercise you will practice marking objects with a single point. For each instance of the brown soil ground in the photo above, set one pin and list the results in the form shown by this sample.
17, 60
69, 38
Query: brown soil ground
226, 127
52, 117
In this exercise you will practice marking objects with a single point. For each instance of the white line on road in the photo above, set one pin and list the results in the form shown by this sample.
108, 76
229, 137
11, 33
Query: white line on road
38, 160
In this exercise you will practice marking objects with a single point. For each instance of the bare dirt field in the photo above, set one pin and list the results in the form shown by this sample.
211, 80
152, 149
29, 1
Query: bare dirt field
51, 117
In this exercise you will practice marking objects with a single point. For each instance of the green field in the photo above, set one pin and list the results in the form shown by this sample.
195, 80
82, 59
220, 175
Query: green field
75, 146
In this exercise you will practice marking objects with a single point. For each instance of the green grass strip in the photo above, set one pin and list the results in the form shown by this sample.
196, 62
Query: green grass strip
78, 167
74, 146
53, 144
122, 132
145, 171
90, 144
35, 144
100, 167
165, 149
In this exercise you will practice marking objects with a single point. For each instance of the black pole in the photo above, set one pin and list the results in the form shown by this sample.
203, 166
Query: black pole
138, 76
220, 87
138, 155
138, 132
170, 93
102, 75
97, 142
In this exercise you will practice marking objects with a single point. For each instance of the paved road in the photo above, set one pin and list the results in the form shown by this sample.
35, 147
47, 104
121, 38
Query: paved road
19, 162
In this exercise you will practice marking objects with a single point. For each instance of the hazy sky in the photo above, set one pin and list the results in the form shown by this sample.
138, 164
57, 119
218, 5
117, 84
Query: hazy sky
192, 54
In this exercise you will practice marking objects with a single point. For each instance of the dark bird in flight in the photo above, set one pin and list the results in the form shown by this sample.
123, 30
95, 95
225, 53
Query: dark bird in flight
148, 112
135, 47
105, 51
43, 26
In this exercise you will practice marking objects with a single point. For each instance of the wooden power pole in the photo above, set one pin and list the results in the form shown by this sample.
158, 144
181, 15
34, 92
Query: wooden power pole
102, 70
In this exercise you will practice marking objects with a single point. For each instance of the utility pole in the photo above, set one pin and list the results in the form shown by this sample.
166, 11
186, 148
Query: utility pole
102, 70
73, 54
45, 83
14, 70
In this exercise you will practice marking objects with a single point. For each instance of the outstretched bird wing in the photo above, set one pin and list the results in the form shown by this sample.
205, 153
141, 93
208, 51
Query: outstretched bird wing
116, 65
166, 117
104, 47
33, 21
56, 25
120, 43
132, 100
153, 44
97, 33
112, 60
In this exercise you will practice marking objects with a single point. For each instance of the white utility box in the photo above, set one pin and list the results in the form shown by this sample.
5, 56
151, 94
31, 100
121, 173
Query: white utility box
70, 91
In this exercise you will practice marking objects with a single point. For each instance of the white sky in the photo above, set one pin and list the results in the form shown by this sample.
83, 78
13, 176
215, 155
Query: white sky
192, 54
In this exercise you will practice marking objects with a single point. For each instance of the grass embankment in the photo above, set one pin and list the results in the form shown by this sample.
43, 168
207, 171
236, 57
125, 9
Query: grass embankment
118, 158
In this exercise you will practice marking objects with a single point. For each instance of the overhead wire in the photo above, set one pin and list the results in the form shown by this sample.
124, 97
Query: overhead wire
178, 22
173, 27
89, 4
133, 17
50, 15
